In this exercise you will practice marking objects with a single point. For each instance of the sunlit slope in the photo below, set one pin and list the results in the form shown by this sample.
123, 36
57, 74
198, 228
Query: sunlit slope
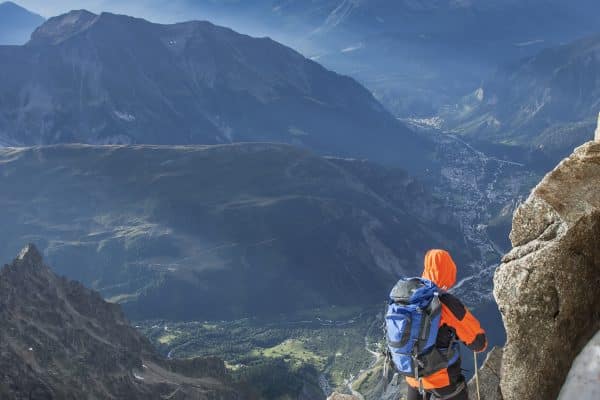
549, 102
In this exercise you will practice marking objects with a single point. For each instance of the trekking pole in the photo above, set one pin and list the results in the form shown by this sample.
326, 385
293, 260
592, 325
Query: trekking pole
476, 375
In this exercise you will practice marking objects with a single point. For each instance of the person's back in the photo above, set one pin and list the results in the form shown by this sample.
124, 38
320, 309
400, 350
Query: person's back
456, 323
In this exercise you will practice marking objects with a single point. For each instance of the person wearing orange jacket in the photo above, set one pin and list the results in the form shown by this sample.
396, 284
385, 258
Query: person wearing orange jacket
457, 323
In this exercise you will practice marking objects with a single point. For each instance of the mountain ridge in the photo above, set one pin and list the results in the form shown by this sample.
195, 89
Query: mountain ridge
548, 102
113, 79
60, 340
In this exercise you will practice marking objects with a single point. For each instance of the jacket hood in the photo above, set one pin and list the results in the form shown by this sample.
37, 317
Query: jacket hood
440, 268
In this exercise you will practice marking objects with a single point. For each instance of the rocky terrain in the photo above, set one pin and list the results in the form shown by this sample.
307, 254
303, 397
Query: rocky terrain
489, 378
113, 79
172, 231
59, 340
546, 287
582, 382
548, 102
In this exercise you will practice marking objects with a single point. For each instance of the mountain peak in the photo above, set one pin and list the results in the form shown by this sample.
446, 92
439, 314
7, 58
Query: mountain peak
17, 23
59, 28
30, 255
60, 340
10, 5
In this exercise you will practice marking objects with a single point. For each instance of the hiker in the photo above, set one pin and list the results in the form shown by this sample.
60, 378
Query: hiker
429, 356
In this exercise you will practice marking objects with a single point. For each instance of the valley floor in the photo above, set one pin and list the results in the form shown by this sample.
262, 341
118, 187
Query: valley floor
337, 349
318, 351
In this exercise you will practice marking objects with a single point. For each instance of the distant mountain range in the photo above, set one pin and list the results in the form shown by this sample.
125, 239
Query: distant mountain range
17, 24
106, 79
195, 233
415, 55
549, 102
59, 340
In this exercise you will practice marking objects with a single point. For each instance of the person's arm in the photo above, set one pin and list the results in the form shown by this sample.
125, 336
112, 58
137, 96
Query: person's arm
468, 329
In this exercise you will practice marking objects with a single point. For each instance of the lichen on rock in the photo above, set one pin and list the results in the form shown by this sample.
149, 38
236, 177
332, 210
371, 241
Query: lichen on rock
547, 286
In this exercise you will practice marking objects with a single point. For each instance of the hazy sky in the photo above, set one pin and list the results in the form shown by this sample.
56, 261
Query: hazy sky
155, 10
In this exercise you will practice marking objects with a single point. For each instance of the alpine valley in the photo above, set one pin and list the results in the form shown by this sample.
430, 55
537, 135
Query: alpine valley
235, 198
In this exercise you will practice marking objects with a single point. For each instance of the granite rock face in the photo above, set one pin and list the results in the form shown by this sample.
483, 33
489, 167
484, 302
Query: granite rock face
489, 377
583, 381
547, 286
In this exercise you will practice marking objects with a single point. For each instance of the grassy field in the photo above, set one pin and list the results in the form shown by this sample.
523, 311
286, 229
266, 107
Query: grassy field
321, 349
294, 351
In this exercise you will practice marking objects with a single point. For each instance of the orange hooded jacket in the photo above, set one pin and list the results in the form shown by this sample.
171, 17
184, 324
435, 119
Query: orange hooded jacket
441, 269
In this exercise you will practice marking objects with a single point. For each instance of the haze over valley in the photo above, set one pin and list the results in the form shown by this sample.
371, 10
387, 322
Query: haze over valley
248, 179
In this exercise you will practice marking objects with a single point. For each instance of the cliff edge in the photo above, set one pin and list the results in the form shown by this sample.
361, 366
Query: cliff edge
547, 286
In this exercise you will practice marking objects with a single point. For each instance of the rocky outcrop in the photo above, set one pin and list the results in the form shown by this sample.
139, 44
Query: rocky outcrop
547, 286
583, 381
338, 396
59, 340
489, 378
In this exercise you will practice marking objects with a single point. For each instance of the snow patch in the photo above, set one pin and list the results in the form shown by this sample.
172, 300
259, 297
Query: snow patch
127, 117
350, 49
435, 122
340, 14
529, 43
479, 94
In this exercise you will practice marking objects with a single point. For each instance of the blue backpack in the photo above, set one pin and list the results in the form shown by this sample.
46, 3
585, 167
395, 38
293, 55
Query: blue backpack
412, 322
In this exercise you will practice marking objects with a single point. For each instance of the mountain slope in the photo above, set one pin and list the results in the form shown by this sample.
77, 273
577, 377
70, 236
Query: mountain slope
220, 231
16, 24
59, 340
549, 101
108, 78
415, 55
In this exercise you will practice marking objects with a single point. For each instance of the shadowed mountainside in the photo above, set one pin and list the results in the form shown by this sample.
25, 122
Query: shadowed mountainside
225, 231
59, 340
113, 79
